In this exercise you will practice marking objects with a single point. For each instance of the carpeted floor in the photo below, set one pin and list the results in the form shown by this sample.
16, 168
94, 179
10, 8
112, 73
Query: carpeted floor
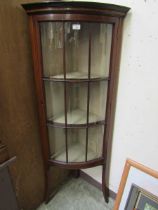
77, 194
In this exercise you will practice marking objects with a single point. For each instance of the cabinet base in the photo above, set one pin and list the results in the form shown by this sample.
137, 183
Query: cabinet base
74, 165
76, 174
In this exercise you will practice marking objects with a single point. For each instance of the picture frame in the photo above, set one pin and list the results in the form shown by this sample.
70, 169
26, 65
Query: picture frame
135, 173
139, 198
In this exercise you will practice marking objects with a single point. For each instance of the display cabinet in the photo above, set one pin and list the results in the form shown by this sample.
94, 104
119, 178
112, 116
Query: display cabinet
76, 47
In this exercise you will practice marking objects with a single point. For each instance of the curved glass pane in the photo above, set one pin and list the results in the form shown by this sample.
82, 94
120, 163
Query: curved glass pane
76, 145
76, 48
57, 143
97, 100
95, 142
76, 103
54, 95
52, 48
101, 38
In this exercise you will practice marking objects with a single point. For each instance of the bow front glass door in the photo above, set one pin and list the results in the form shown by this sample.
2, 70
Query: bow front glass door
76, 60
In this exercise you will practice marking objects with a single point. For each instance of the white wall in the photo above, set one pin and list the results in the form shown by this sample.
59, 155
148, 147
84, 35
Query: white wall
136, 121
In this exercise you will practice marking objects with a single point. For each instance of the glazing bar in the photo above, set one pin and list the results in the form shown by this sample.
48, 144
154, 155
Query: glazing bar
88, 92
65, 92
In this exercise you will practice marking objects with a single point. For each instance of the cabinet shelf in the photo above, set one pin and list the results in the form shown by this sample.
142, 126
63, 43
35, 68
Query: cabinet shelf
75, 77
76, 153
75, 117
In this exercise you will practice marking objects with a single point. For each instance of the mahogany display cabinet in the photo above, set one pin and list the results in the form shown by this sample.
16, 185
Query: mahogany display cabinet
76, 51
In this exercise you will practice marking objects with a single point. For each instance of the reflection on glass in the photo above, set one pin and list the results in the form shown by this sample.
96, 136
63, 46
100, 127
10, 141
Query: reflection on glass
54, 93
57, 143
100, 49
77, 37
95, 142
76, 48
77, 41
76, 145
52, 48
98, 97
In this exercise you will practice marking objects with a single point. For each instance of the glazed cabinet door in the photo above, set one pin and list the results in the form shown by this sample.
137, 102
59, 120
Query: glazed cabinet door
76, 62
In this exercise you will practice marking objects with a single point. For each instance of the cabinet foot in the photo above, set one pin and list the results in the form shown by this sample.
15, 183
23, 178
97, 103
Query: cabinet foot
106, 194
76, 174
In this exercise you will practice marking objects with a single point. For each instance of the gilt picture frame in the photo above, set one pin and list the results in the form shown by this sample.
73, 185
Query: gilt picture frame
141, 199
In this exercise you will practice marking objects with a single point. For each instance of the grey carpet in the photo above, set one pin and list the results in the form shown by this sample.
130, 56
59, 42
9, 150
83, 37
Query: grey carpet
77, 194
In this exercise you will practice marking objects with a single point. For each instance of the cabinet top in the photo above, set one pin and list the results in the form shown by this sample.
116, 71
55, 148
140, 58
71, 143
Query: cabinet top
48, 6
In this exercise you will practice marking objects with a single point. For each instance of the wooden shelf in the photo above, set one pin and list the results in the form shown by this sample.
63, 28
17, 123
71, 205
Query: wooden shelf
76, 117
76, 76
76, 153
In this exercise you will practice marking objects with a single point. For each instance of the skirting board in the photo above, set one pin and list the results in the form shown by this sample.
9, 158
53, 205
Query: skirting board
95, 183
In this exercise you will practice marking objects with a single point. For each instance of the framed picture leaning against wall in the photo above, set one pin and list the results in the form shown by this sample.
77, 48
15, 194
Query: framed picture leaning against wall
138, 187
